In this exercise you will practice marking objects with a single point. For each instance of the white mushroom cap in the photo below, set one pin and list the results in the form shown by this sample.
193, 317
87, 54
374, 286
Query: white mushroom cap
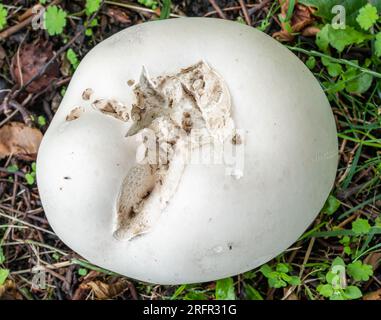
214, 225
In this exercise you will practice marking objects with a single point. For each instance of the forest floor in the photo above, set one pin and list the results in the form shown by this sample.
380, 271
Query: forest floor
36, 65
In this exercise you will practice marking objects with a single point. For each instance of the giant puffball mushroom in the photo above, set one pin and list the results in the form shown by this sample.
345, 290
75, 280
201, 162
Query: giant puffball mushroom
124, 170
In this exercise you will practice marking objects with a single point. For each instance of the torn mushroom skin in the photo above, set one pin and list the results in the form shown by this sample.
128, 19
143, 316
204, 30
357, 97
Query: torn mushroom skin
183, 111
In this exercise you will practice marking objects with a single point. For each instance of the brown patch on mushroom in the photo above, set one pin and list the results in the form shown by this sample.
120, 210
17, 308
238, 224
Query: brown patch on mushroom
75, 113
112, 108
86, 95
136, 187
187, 122
236, 140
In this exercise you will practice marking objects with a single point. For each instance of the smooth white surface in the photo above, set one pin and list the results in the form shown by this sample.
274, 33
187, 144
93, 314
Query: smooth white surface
215, 226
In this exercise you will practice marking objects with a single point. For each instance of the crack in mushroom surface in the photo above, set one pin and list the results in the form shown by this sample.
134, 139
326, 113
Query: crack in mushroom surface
173, 114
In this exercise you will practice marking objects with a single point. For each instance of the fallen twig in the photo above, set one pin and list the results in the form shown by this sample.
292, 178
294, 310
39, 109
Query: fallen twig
245, 12
218, 9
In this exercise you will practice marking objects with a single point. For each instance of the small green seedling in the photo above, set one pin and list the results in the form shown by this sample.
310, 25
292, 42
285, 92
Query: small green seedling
337, 287
31, 176
361, 226
41, 120
149, 4
92, 6
72, 58
346, 242
367, 16
82, 272
359, 271
55, 20
13, 168
3, 16
89, 27
279, 277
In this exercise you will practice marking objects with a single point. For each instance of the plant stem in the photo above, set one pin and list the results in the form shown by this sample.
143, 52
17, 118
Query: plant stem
341, 61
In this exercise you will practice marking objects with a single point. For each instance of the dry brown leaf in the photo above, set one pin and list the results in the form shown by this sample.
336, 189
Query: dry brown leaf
310, 31
301, 18
105, 291
19, 140
8, 291
374, 259
29, 60
376, 295
118, 15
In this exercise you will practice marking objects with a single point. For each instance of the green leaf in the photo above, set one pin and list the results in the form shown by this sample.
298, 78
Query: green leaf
41, 120
92, 6
82, 272
333, 87
359, 84
338, 262
337, 295
359, 271
367, 16
252, 293
341, 38
94, 22
360, 226
225, 289
352, 292
3, 16
166, 9
12, 168
73, 58
286, 277
55, 20
266, 270
322, 38
331, 205
149, 3
377, 45
34, 166
347, 250
2, 256
4, 273
325, 290
30, 179
345, 240
334, 70
294, 281
282, 267
88, 32
277, 282
311, 62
